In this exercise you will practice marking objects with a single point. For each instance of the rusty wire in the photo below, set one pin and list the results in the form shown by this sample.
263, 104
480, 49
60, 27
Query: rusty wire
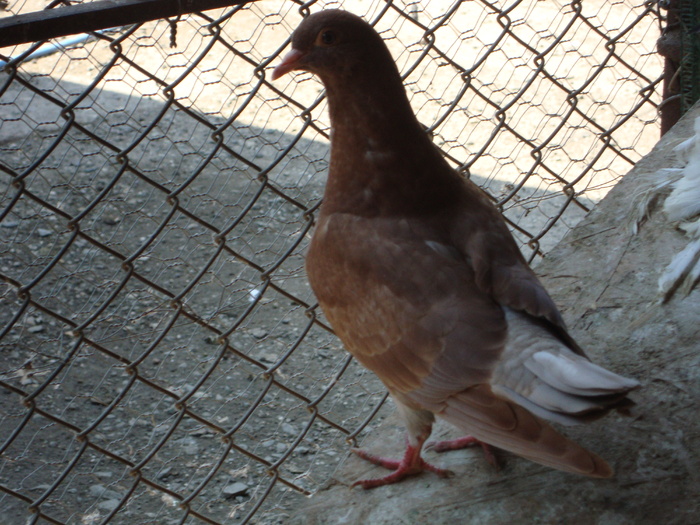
163, 358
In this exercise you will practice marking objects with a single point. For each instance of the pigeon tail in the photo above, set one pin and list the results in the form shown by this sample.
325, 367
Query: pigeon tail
538, 371
504, 424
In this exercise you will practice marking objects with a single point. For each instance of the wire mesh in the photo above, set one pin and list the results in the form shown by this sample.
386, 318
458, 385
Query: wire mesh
163, 357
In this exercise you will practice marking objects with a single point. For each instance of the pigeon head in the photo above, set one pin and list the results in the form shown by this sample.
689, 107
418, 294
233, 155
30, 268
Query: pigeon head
338, 47
367, 102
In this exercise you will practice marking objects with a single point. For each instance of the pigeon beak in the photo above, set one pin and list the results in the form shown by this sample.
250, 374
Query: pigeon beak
289, 63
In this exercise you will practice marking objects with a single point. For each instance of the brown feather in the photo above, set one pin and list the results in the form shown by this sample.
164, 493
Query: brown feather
504, 424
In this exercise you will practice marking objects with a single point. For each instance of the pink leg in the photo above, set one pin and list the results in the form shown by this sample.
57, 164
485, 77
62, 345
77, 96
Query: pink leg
464, 442
411, 464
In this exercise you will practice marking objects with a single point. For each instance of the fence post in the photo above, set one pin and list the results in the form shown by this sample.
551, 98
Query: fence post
680, 46
669, 46
689, 14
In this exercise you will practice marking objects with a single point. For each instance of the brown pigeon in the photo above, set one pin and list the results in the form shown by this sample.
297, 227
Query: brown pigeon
421, 279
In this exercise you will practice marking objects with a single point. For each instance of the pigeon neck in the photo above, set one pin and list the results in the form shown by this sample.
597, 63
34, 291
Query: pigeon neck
379, 113
378, 154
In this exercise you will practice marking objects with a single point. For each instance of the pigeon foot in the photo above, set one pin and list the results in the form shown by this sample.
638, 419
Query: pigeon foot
411, 464
464, 442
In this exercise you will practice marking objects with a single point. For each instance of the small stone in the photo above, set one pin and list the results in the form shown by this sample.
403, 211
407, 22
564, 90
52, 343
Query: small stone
268, 358
294, 469
259, 333
235, 489
202, 431
35, 329
288, 429
164, 473
43, 232
104, 493
189, 446
108, 505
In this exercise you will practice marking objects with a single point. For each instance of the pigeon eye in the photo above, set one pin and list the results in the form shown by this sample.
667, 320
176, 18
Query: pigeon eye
327, 37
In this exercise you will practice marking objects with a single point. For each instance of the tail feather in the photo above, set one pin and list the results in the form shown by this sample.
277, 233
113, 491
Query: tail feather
577, 375
555, 400
502, 423
540, 372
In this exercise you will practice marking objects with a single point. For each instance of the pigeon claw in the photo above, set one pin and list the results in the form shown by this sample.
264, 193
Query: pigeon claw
411, 464
464, 442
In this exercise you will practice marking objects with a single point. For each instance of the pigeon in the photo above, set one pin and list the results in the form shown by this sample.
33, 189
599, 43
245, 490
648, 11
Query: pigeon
421, 279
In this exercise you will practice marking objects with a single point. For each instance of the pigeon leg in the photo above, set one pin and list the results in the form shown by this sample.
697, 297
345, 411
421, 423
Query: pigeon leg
464, 442
411, 464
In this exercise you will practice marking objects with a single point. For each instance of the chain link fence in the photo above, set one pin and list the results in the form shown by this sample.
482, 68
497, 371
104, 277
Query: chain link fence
163, 359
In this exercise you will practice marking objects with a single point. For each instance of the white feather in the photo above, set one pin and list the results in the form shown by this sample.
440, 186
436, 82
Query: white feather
685, 267
691, 228
539, 372
684, 201
643, 200
558, 401
683, 204
562, 419
577, 375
